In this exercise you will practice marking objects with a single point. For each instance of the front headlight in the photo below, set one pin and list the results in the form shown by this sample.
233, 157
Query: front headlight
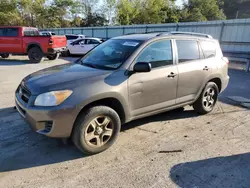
52, 98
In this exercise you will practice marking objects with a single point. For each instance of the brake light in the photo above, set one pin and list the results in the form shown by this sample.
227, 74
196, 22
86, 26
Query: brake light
50, 41
226, 60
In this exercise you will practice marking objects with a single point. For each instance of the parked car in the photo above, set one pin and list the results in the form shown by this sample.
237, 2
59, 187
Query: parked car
72, 37
82, 46
123, 79
26, 40
47, 33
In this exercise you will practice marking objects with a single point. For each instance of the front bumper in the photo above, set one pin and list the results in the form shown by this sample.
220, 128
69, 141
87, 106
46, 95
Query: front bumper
50, 121
56, 50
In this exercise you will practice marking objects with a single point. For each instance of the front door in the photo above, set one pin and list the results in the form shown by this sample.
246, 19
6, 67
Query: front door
157, 89
193, 70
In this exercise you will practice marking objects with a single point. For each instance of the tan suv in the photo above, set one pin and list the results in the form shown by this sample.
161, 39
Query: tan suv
123, 79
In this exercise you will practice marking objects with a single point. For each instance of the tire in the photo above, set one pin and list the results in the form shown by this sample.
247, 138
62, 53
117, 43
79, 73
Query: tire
68, 53
91, 135
53, 57
35, 55
5, 56
207, 99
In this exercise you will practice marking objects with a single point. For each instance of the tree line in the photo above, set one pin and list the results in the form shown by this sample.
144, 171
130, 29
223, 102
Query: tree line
85, 13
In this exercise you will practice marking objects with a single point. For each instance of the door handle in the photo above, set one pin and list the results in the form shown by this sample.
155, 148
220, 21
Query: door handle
172, 75
206, 68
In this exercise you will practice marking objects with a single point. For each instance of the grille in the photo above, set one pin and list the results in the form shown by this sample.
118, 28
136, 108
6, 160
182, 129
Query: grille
24, 93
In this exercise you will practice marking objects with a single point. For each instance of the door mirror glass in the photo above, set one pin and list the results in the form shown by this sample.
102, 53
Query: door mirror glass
142, 67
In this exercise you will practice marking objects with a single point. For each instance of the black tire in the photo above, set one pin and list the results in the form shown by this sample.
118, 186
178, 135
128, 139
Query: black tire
35, 55
68, 53
53, 56
83, 124
5, 56
206, 101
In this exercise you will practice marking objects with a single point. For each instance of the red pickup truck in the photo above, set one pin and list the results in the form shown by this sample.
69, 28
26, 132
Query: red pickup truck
27, 41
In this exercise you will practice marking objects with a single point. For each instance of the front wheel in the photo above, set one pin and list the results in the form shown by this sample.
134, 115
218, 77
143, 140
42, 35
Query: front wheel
53, 56
96, 129
5, 55
207, 99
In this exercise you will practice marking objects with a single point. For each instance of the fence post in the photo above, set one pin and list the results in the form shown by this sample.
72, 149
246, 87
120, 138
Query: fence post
221, 31
146, 29
177, 27
107, 33
123, 30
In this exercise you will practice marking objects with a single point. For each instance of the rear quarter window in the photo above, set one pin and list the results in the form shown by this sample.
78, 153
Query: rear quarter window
208, 48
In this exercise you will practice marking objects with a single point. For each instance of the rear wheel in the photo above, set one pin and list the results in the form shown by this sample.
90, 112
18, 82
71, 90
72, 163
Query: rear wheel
5, 55
53, 56
96, 129
207, 100
35, 55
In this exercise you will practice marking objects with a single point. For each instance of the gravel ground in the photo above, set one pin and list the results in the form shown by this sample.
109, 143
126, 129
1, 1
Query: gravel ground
210, 150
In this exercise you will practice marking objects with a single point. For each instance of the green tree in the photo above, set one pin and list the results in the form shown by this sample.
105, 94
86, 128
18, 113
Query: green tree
9, 14
151, 12
110, 9
200, 10
126, 11
236, 8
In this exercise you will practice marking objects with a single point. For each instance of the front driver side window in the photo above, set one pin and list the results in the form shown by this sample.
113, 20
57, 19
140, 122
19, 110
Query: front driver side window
159, 54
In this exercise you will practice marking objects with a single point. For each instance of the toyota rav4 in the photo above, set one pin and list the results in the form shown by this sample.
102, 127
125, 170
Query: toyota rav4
123, 79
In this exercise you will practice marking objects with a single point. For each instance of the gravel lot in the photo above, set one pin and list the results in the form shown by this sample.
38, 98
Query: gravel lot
211, 150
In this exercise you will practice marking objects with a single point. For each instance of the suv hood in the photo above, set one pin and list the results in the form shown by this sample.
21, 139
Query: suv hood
60, 77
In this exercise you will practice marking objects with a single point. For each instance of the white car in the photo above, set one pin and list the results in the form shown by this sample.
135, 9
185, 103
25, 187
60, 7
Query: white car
82, 46
71, 38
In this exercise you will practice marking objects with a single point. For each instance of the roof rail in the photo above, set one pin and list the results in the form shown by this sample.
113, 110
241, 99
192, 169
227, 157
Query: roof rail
186, 33
148, 32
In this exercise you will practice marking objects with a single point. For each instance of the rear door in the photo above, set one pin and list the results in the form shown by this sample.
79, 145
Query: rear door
10, 41
193, 70
77, 47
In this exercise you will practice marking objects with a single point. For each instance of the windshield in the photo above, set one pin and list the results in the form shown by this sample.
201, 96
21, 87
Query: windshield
110, 54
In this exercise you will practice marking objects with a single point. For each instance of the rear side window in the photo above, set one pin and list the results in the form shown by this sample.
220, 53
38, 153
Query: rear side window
208, 48
1, 32
92, 41
188, 50
159, 54
11, 32
8, 32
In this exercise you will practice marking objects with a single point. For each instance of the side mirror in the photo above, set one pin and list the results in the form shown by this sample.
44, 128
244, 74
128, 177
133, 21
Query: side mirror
142, 67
